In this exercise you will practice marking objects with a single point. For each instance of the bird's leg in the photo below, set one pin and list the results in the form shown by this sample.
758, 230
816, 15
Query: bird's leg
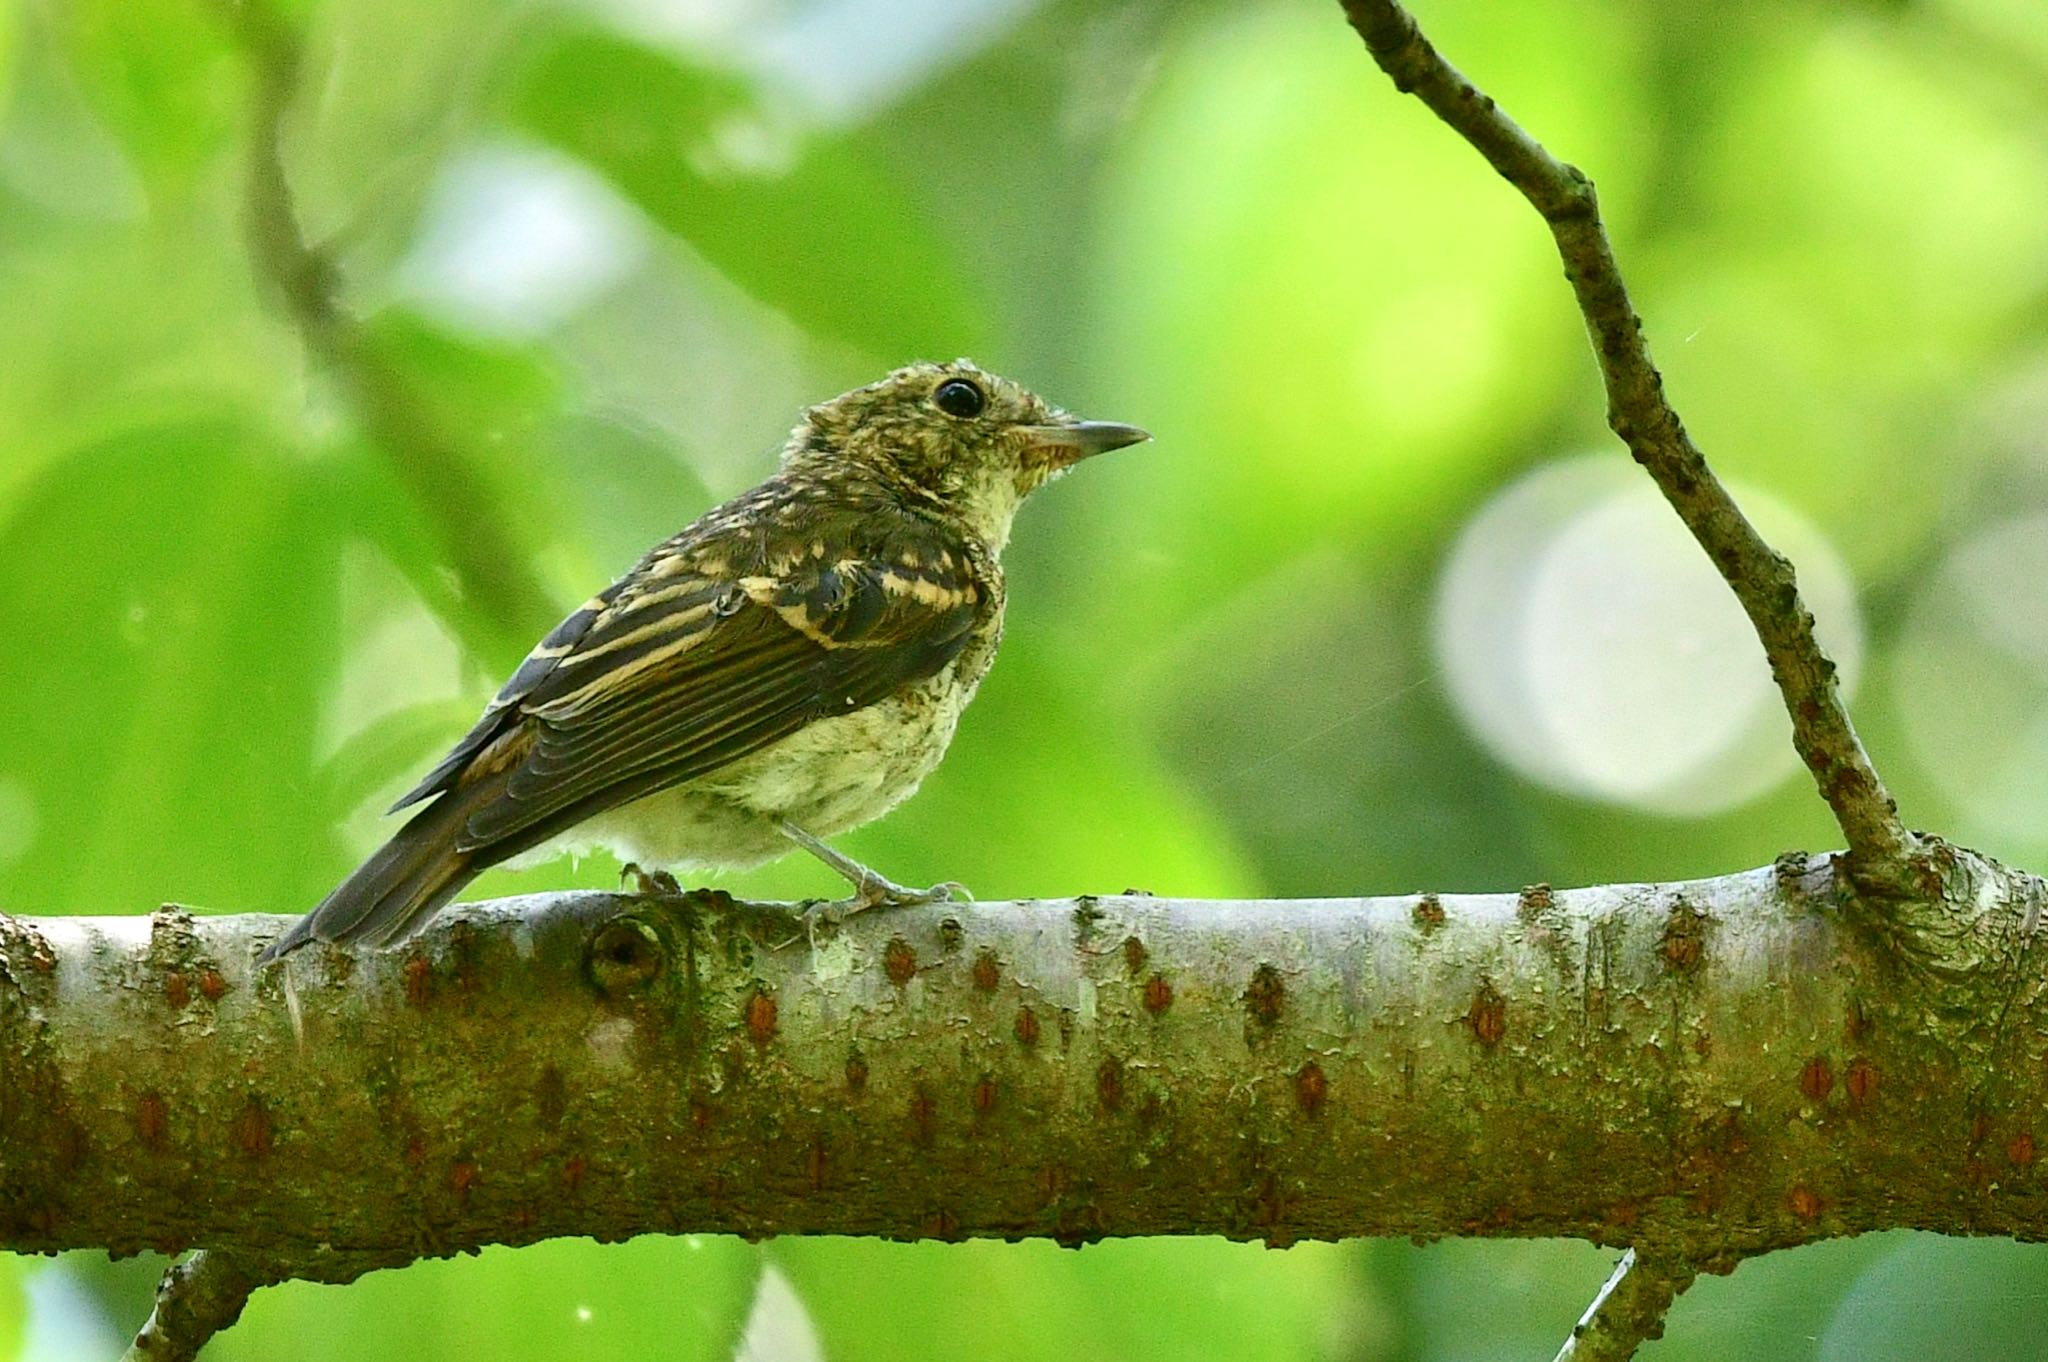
870, 890
649, 883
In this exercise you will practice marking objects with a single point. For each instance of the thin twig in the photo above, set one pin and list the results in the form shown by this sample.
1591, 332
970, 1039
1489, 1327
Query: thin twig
1627, 1312
505, 603
196, 1299
1638, 412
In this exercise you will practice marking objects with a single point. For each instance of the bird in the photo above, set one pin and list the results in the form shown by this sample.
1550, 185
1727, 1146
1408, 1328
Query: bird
789, 666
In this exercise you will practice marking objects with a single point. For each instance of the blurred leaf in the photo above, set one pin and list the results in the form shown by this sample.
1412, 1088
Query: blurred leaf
54, 151
164, 76
497, 395
818, 228
8, 15
367, 497
2004, 30
1821, 328
13, 1305
172, 594
658, 1298
86, 1303
1118, 1300
632, 487
83, 357
392, 749
1006, 149
1302, 742
1935, 1299
458, 425
1335, 317
479, 408
397, 84
1477, 1301
1776, 1306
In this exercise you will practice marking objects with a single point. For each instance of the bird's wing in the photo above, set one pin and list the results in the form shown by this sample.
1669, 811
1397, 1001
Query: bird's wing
690, 663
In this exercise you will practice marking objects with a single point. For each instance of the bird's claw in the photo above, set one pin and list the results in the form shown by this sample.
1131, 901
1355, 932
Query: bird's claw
650, 883
878, 892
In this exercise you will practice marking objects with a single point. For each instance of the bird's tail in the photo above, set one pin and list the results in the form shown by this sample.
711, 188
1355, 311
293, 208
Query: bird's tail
404, 881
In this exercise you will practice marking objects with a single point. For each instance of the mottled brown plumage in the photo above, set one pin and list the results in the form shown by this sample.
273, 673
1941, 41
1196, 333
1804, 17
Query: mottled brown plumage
789, 666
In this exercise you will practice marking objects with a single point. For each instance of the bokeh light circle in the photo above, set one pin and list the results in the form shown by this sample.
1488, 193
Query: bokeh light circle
1589, 644
1972, 677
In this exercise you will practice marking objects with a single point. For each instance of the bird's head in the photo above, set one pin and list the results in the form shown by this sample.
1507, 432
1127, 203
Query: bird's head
967, 442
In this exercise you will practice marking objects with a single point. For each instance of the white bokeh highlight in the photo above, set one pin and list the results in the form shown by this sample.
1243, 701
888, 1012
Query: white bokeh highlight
1971, 672
779, 1328
1589, 643
516, 238
836, 61
66, 1321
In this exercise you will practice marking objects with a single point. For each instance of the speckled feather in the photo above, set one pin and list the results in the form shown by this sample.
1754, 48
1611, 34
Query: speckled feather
802, 653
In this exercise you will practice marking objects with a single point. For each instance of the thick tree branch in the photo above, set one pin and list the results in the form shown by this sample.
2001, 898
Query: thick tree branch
1705, 1071
1763, 581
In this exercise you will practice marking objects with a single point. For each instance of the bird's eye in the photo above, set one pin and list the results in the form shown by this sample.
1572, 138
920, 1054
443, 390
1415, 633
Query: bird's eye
958, 397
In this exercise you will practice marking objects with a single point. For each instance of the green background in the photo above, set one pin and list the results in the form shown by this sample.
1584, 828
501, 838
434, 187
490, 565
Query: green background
229, 629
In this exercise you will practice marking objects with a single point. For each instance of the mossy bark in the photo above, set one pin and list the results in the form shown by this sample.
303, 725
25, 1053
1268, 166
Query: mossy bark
1706, 1070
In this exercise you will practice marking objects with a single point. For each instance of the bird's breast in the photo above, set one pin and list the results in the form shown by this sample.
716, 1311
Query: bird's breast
839, 772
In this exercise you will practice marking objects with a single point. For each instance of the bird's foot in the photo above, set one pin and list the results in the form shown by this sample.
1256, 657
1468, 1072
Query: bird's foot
876, 891
870, 888
649, 883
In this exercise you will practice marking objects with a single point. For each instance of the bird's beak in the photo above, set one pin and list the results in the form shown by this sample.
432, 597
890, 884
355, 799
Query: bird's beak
1071, 442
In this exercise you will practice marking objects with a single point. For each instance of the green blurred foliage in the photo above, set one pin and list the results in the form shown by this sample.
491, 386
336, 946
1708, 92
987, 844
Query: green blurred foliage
236, 628
13, 1302
830, 238
1034, 1302
1394, 390
162, 678
678, 1297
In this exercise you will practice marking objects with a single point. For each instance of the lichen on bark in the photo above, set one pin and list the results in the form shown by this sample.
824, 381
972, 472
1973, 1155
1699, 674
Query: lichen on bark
1715, 1068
